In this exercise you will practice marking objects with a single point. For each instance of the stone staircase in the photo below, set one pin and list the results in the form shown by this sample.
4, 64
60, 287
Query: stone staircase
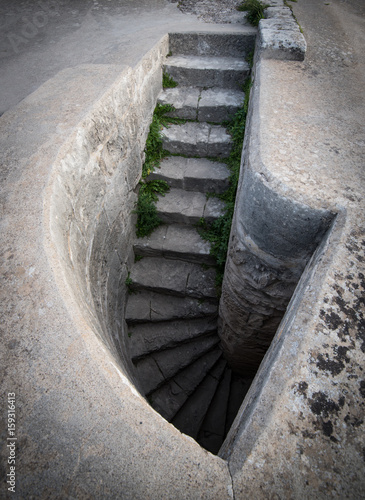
172, 311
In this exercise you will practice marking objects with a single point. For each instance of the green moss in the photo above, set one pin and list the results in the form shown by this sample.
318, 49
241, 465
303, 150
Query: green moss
218, 232
167, 81
255, 10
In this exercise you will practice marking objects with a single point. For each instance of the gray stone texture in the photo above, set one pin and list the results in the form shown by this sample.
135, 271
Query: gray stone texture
175, 242
190, 417
205, 105
171, 396
222, 72
188, 207
150, 306
197, 139
200, 43
193, 174
173, 277
163, 365
146, 338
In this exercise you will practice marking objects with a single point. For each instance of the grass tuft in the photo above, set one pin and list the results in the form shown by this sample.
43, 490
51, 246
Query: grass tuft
255, 10
218, 232
168, 82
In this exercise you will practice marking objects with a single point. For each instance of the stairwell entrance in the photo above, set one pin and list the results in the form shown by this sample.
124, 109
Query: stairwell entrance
172, 312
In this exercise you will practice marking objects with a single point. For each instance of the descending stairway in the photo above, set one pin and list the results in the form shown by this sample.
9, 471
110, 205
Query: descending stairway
173, 310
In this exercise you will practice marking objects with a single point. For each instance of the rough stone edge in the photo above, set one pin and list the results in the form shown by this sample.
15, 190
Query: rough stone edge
280, 36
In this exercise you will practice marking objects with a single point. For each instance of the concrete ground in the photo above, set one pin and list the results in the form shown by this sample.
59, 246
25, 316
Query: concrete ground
39, 39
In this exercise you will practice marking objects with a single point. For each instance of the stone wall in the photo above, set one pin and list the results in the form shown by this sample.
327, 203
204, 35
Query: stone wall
94, 193
272, 235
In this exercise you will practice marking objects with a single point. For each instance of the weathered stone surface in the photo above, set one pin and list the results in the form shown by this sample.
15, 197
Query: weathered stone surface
193, 174
280, 38
197, 139
205, 105
238, 390
187, 207
149, 306
176, 242
190, 417
212, 431
169, 398
200, 43
163, 365
222, 72
146, 338
184, 99
173, 277
219, 105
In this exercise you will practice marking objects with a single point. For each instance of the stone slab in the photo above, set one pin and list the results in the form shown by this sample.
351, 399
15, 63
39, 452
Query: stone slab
156, 368
193, 174
184, 99
280, 38
146, 338
150, 306
219, 105
176, 242
173, 277
205, 105
170, 397
222, 72
190, 417
187, 207
212, 432
216, 44
197, 139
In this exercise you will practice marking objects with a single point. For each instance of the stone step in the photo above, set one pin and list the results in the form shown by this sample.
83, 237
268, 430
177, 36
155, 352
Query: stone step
237, 393
175, 242
193, 174
173, 277
170, 397
213, 430
237, 44
188, 207
190, 417
197, 140
204, 71
205, 105
146, 338
151, 306
161, 366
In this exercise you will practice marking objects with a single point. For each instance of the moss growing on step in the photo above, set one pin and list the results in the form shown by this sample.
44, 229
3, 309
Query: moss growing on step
255, 10
218, 232
168, 82
147, 218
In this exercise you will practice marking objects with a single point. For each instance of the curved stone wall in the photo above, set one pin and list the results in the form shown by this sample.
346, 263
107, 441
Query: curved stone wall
93, 195
272, 238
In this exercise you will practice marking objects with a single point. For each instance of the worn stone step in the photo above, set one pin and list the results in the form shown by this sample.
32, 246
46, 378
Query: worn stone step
238, 391
188, 207
193, 174
197, 139
205, 105
175, 242
204, 71
146, 338
213, 430
173, 277
170, 397
190, 417
161, 366
150, 306
201, 43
